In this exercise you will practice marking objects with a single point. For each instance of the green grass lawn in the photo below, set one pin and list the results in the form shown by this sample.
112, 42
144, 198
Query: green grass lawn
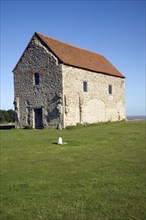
99, 173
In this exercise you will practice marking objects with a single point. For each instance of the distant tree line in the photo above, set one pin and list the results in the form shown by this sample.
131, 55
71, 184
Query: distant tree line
7, 116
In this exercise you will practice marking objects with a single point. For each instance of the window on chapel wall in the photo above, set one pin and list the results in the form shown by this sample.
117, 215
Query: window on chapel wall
110, 92
36, 79
84, 86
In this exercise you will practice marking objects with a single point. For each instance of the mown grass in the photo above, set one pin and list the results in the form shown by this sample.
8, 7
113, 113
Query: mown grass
98, 174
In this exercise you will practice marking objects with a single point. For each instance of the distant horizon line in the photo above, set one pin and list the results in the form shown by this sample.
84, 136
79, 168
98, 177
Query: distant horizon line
134, 115
127, 115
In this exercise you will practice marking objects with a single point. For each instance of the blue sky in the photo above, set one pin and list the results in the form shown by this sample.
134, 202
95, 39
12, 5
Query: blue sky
115, 29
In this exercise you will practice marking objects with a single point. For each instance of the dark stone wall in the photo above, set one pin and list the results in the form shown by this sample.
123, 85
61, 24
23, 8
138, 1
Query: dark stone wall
47, 95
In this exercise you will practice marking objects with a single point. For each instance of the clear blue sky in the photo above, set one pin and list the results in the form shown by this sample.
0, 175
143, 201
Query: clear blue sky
115, 29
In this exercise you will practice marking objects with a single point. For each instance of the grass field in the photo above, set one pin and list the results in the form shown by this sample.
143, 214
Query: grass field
98, 174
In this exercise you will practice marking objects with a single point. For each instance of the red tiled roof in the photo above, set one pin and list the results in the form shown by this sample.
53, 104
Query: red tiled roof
78, 57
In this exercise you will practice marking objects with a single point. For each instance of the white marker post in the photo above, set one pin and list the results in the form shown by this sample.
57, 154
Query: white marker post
60, 140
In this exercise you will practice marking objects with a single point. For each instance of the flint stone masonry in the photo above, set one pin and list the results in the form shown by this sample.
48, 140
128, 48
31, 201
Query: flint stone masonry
60, 93
46, 95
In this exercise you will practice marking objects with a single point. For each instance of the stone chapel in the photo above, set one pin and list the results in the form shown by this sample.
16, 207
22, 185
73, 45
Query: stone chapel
59, 85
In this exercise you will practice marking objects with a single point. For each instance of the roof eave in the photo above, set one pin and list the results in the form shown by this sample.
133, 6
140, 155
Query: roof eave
61, 61
95, 71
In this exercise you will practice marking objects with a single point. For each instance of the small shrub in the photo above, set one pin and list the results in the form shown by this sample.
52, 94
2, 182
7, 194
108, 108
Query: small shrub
29, 127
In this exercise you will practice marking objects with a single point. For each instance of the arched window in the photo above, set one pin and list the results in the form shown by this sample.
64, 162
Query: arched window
36, 79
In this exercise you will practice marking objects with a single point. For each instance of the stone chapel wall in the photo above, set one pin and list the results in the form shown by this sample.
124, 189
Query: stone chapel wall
95, 105
47, 95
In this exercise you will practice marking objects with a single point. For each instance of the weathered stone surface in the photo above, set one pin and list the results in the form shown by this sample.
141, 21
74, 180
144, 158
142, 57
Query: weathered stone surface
46, 95
60, 93
95, 105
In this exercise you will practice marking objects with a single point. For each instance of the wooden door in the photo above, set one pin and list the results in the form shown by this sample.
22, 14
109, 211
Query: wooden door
38, 118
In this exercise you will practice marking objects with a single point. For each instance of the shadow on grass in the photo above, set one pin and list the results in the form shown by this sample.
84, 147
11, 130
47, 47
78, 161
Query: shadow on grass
54, 143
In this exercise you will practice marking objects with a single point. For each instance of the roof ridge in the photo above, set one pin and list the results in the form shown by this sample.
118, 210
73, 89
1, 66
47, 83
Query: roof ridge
79, 57
70, 44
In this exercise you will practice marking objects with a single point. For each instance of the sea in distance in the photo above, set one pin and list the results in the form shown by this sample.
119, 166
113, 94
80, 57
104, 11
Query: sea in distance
136, 117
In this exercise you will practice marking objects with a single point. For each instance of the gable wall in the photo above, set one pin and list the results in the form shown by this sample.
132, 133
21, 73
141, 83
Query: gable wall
96, 104
47, 95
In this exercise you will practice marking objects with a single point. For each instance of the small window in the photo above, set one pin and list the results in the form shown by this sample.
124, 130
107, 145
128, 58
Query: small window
36, 79
110, 89
85, 86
